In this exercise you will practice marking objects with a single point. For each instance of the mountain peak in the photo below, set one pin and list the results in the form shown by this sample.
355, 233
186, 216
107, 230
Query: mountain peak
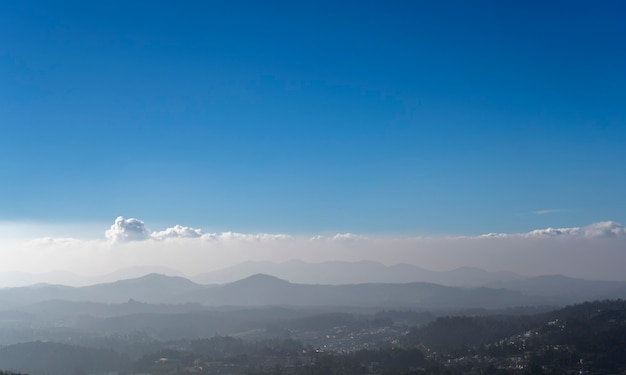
151, 277
261, 278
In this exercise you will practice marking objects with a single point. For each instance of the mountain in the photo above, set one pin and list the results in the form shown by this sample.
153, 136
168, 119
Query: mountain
134, 273
561, 288
13, 279
264, 290
152, 288
337, 273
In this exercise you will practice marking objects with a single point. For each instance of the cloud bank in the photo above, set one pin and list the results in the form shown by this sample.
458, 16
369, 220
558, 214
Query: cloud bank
129, 230
595, 251
178, 231
595, 230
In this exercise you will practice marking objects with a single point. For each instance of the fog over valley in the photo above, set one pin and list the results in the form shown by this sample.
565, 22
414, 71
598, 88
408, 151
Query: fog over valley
594, 252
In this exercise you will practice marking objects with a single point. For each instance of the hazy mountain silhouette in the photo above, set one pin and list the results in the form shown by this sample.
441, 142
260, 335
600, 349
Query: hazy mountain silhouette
152, 288
355, 273
133, 273
265, 290
13, 279
562, 288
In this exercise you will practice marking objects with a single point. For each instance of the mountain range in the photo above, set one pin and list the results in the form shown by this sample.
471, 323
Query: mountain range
295, 271
265, 290
336, 273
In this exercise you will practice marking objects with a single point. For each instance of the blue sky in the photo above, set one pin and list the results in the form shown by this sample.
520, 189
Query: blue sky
313, 117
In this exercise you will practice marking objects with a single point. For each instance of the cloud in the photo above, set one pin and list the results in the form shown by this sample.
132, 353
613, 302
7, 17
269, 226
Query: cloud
234, 236
604, 229
126, 230
134, 230
130, 230
595, 230
550, 211
178, 231
347, 236
53, 241
338, 237
553, 232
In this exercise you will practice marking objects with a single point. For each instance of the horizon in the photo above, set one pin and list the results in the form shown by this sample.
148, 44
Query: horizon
593, 252
143, 270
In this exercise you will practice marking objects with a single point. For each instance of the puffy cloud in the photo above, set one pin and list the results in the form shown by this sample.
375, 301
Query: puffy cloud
338, 237
178, 231
595, 230
553, 232
247, 237
493, 235
126, 230
347, 236
604, 229
550, 211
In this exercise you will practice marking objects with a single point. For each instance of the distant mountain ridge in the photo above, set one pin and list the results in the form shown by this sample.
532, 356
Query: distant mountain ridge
295, 271
266, 290
299, 272
337, 273
12, 279
564, 287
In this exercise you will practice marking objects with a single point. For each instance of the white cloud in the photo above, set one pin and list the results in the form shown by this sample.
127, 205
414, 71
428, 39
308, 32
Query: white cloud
126, 230
338, 237
493, 235
178, 231
348, 236
604, 229
553, 232
595, 230
234, 236
550, 211
52, 241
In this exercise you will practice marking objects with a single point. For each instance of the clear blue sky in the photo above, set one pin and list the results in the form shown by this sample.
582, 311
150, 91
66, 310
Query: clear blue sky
304, 117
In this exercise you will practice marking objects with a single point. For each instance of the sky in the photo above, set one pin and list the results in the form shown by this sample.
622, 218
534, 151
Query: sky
390, 121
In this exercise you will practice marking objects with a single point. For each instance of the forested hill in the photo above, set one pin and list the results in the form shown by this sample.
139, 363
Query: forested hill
588, 337
594, 332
